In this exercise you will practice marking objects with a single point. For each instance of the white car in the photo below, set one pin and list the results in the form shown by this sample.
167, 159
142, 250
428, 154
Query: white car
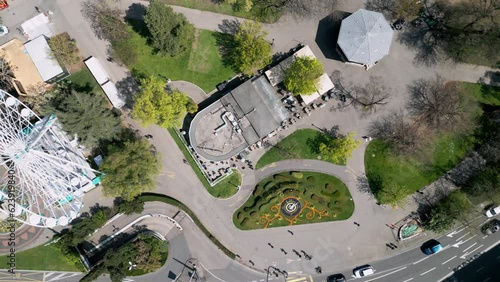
493, 212
363, 271
3, 30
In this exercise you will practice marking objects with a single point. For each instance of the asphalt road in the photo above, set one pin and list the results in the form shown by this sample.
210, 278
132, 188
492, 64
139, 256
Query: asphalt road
483, 269
460, 245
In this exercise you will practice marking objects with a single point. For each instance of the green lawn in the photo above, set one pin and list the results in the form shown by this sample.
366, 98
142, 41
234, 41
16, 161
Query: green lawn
201, 64
485, 94
302, 144
227, 187
382, 167
84, 81
223, 8
44, 258
224, 189
322, 197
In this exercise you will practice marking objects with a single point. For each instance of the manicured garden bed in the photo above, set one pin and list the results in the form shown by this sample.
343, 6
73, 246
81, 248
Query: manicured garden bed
384, 168
291, 198
302, 144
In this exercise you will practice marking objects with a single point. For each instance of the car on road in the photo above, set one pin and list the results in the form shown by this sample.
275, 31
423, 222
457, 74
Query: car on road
335, 278
493, 211
363, 271
3, 30
491, 227
431, 247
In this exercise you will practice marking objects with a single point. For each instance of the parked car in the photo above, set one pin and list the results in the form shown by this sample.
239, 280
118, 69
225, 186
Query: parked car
3, 30
493, 211
431, 247
363, 271
491, 227
335, 278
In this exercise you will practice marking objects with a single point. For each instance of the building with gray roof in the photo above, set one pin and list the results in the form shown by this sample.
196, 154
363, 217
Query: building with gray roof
242, 117
365, 37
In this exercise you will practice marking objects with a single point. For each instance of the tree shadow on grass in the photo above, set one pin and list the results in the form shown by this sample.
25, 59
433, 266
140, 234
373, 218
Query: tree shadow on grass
322, 137
225, 41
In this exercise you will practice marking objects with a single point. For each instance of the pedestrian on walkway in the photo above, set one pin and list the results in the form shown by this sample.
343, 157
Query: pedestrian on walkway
290, 231
357, 224
270, 245
38, 9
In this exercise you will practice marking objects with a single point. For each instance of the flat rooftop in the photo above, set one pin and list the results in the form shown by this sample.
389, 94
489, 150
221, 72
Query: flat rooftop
239, 119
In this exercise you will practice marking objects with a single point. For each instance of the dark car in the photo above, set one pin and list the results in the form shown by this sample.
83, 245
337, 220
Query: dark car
491, 227
335, 278
431, 247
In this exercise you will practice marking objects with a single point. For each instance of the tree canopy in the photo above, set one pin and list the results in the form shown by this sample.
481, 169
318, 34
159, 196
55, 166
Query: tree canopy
171, 33
302, 77
463, 31
6, 74
130, 170
83, 114
441, 106
251, 50
340, 147
396, 9
64, 49
107, 22
153, 105
454, 207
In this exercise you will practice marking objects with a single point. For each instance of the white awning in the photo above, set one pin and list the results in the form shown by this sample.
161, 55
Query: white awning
41, 55
36, 26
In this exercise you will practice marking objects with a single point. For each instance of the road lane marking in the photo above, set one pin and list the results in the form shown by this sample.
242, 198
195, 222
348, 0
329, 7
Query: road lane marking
297, 279
455, 232
462, 236
469, 239
387, 274
485, 236
448, 260
420, 260
471, 252
428, 271
487, 279
408, 280
469, 247
480, 269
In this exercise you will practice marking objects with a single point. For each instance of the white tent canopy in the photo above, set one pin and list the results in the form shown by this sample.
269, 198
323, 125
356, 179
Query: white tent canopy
365, 37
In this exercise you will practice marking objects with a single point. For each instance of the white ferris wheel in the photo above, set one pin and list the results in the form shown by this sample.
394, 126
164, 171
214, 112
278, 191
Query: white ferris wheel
42, 175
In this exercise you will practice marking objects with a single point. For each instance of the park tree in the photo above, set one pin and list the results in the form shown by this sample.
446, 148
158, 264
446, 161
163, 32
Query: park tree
245, 5
396, 9
136, 205
442, 216
485, 185
83, 114
37, 96
339, 148
394, 195
302, 77
106, 21
404, 135
64, 49
130, 170
463, 31
153, 105
368, 97
150, 252
441, 106
251, 50
171, 33
6, 74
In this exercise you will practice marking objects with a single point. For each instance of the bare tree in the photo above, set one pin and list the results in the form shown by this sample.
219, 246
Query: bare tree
107, 22
440, 106
6, 74
396, 129
37, 96
395, 9
368, 98
298, 8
